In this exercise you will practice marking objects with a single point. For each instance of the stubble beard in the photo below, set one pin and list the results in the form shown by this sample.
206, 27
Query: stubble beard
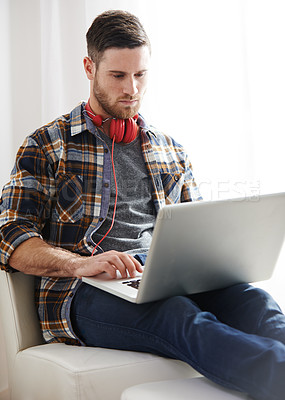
115, 110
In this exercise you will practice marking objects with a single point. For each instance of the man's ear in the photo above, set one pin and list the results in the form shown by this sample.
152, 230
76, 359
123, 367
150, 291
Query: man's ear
89, 67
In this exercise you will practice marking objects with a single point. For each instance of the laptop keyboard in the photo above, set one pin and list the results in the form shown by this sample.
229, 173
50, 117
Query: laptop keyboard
135, 283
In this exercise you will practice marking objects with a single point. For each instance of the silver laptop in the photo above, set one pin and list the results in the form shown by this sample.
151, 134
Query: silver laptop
207, 245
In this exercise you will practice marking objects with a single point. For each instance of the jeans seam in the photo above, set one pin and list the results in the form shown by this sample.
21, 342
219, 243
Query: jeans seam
154, 337
259, 320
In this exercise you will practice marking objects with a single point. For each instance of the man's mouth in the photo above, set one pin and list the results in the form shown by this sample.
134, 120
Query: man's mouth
128, 102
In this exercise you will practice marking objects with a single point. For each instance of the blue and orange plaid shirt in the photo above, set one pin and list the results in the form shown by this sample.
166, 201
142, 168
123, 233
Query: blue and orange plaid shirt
57, 192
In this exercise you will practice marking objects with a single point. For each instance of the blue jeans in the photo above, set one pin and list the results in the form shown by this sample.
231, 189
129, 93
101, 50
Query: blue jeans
234, 336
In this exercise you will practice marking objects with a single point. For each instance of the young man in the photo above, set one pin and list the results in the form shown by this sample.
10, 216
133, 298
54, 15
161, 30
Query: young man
61, 203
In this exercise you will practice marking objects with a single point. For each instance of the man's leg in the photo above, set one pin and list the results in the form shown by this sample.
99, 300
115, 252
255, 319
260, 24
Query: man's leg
178, 328
247, 308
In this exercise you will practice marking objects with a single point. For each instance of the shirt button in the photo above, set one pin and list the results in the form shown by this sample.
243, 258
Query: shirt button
106, 185
100, 219
176, 178
70, 294
106, 150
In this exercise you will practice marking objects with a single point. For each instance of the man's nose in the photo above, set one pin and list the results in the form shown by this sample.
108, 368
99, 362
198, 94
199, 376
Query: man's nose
130, 87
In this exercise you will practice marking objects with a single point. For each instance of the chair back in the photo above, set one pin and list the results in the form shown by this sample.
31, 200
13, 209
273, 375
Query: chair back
20, 322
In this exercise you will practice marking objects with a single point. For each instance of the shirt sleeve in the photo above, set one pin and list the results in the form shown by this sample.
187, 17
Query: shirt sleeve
26, 199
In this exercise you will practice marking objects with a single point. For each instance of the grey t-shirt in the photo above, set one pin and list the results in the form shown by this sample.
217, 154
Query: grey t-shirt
135, 213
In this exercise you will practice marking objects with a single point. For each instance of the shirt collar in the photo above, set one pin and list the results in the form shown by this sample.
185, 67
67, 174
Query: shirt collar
77, 119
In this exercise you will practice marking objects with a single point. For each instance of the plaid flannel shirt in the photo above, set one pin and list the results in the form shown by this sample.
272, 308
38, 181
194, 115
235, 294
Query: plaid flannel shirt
57, 192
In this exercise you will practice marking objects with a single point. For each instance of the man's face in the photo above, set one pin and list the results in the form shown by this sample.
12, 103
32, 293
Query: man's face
119, 82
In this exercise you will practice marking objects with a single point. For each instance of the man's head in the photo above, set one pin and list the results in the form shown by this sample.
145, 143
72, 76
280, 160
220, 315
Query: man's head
117, 64
117, 29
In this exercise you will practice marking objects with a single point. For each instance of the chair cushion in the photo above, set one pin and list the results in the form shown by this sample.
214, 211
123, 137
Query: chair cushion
181, 389
59, 372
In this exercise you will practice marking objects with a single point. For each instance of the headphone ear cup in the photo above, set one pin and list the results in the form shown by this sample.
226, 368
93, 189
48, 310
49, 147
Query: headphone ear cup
117, 129
112, 128
97, 119
130, 131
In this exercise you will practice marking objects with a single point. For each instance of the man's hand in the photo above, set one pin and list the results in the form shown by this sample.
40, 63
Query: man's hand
110, 262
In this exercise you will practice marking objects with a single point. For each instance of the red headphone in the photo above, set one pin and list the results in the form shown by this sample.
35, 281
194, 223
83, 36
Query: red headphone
124, 130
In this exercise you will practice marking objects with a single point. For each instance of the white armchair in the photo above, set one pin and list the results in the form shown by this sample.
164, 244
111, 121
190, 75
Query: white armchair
40, 371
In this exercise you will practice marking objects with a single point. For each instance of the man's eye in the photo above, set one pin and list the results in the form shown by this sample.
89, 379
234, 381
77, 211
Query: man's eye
118, 76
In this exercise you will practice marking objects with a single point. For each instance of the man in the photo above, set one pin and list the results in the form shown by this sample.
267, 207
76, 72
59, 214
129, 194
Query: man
69, 198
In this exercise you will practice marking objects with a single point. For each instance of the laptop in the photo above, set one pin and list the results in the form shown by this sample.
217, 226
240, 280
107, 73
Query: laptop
206, 245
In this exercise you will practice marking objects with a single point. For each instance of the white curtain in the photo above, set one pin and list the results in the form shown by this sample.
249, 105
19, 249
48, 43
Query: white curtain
217, 82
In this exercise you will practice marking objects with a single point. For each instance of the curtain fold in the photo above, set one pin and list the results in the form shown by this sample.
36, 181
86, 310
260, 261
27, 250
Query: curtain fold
63, 29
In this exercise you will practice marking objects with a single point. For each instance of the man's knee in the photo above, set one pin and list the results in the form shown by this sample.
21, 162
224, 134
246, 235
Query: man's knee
249, 293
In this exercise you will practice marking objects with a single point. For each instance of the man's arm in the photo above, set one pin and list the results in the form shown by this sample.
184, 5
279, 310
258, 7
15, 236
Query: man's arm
35, 257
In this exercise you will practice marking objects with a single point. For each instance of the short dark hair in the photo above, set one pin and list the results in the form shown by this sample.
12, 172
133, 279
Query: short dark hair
114, 28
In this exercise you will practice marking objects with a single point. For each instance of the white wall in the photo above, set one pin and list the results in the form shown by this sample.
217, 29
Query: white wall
6, 137
5, 97
216, 83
